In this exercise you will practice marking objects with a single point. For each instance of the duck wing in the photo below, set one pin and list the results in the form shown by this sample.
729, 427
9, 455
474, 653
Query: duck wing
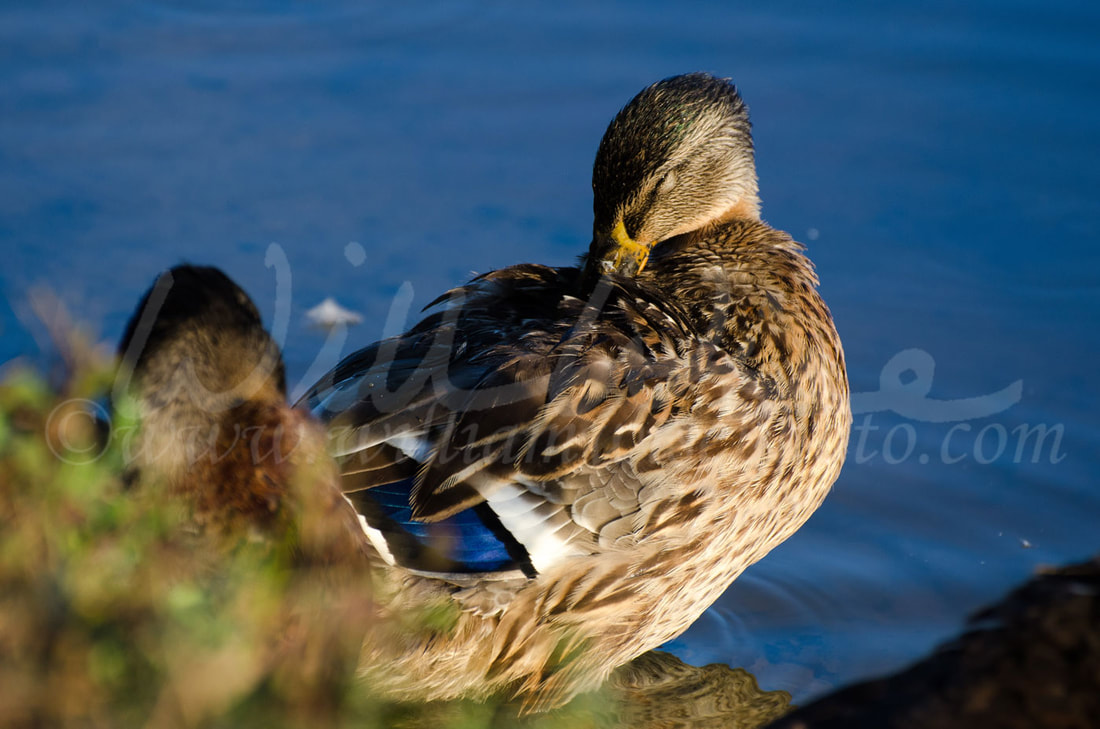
512, 427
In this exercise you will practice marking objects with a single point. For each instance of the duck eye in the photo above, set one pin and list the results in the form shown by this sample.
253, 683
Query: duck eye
667, 183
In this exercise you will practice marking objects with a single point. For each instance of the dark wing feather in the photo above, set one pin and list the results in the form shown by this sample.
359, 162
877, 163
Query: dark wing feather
514, 393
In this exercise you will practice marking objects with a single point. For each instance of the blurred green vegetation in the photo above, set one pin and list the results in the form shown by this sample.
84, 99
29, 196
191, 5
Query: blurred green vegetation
115, 611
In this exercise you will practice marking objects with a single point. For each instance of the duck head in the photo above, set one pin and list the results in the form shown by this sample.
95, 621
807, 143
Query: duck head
197, 335
676, 159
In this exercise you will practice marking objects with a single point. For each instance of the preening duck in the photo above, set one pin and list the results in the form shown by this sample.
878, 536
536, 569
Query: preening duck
581, 460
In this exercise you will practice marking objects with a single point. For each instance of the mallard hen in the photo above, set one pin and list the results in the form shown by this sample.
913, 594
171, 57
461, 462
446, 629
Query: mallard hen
583, 459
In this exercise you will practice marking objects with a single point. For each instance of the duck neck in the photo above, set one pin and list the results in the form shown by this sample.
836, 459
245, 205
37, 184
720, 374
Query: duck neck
746, 286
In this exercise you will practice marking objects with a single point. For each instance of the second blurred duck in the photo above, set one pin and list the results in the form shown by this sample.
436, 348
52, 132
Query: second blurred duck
205, 385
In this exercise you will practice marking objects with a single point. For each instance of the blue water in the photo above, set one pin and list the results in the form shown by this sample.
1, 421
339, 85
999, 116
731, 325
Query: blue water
940, 163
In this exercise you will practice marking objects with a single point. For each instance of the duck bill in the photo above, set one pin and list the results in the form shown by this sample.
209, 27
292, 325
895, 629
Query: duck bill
625, 255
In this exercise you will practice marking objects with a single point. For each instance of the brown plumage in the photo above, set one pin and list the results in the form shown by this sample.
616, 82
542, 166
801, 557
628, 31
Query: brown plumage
580, 460
203, 385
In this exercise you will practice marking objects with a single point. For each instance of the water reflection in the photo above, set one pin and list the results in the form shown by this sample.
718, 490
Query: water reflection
654, 691
659, 690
